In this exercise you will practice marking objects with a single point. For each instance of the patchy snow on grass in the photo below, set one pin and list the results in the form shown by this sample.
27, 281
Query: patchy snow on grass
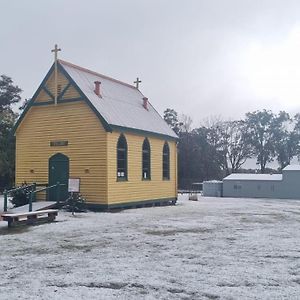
214, 248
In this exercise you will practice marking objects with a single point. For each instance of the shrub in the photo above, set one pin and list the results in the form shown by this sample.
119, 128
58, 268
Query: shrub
21, 196
75, 203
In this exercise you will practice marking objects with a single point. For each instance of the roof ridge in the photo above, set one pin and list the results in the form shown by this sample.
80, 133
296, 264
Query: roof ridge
95, 73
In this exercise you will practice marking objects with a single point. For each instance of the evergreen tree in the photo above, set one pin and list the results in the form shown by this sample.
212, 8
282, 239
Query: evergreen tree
171, 117
9, 95
264, 131
7, 149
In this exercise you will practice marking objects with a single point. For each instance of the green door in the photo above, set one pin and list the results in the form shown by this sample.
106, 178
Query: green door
58, 172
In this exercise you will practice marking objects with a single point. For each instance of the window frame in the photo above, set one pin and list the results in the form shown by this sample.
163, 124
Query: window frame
148, 161
124, 169
166, 162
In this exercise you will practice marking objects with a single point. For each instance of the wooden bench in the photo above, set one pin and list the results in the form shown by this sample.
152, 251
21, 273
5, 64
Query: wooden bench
32, 217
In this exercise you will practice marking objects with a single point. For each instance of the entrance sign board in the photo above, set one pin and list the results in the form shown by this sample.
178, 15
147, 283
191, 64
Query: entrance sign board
58, 143
74, 185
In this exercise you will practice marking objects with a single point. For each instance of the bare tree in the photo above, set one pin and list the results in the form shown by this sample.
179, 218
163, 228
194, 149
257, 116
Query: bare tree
229, 141
238, 150
185, 123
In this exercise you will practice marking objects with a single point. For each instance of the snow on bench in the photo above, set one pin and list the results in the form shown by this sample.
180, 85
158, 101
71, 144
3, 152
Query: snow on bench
32, 217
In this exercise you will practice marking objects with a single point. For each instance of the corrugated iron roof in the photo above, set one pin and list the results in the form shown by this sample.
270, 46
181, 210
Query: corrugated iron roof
120, 104
244, 176
292, 168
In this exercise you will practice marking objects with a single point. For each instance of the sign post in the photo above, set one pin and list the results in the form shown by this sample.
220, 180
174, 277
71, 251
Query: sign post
74, 185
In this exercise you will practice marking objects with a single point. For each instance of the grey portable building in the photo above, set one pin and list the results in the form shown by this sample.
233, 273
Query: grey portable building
212, 188
284, 186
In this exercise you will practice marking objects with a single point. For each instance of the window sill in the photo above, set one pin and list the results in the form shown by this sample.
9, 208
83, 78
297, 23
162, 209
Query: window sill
166, 179
122, 179
146, 179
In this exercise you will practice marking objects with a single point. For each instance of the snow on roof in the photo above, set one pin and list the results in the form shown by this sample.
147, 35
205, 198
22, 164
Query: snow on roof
121, 104
292, 168
244, 176
213, 181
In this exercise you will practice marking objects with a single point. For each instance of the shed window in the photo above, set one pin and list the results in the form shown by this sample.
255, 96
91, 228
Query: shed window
166, 162
146, 171
122, 158
237, 187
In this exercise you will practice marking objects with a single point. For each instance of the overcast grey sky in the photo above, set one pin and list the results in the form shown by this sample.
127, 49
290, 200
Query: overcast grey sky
202, 58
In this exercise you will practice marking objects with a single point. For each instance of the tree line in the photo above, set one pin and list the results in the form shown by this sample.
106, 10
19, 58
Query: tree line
211, 151
219, 148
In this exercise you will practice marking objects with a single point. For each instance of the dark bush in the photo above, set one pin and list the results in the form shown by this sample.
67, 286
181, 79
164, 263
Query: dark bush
75, 203
21, 196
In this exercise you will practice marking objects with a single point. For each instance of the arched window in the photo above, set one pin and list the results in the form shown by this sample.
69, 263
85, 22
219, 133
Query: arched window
122, 158
166, 162
146, 168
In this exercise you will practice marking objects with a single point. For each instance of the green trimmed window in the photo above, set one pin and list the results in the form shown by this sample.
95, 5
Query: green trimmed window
146, 169
166, 162
122, 158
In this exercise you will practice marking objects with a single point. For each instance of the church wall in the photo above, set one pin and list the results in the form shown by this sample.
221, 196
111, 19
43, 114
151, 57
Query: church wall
76, 123
136, 189
91, 150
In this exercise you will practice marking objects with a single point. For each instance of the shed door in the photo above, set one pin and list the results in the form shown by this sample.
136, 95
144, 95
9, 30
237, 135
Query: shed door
58, 172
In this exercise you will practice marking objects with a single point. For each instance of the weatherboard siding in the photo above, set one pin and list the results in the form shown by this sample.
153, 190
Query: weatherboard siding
62, 81
76, 123
43, 97
136, 189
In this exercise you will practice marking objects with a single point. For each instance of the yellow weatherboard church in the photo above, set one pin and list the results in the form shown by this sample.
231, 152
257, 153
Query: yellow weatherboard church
81, 124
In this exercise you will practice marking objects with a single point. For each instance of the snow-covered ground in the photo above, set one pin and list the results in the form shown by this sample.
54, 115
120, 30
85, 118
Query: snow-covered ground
9, 205
215, 248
